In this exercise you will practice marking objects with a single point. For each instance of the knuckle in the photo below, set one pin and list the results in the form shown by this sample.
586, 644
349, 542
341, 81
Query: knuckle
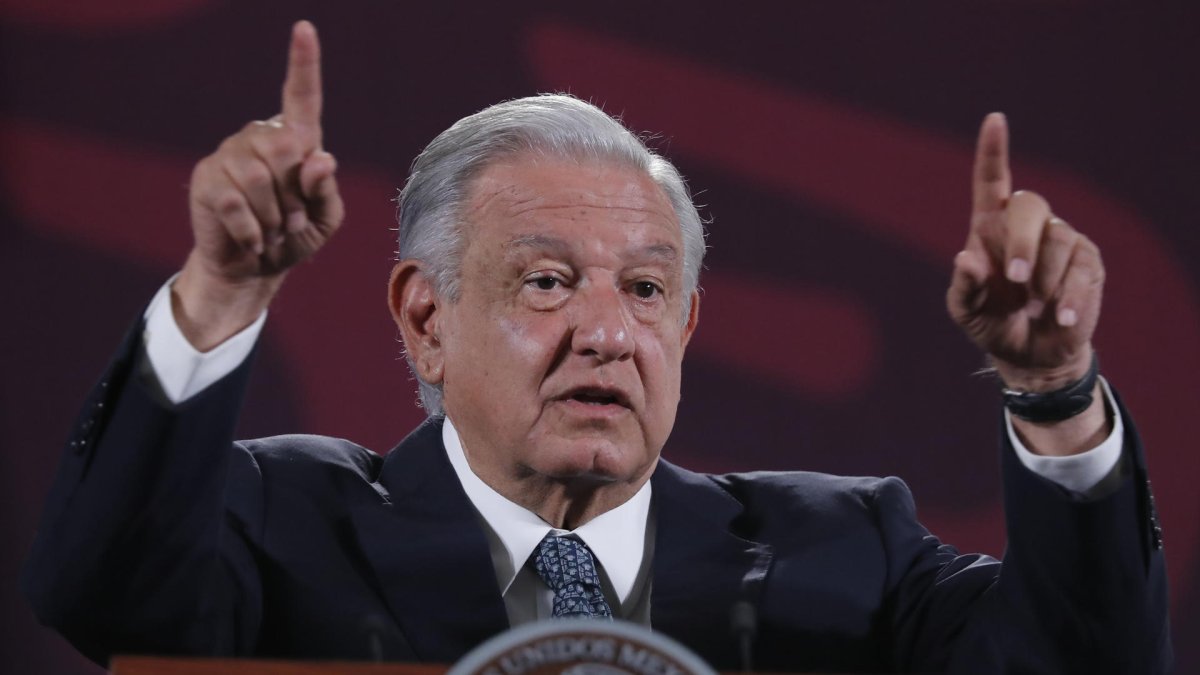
233, 145
1089, 251
1087, 269
1057, 224
1099, 273
280, 149
1028, 199
199, 184
228, 203
1089, 246
202, 173
325, 163
209, 183
255, 175
259, 126
1061, 235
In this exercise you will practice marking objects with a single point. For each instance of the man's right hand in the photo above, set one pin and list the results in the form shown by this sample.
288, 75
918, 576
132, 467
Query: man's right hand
264, 201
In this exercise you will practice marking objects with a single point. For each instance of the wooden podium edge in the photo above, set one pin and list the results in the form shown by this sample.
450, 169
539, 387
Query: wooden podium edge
172, 665
155, 665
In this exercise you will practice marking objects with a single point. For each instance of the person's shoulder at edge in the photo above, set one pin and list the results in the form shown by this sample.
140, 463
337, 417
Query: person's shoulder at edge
797, 491
295, 455
299, 454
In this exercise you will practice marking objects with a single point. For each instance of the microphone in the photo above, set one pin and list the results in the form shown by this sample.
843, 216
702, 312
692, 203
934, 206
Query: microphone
743, 622
374, 626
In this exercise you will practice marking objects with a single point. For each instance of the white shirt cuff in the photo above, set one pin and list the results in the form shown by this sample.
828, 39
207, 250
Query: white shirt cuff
1090, 473
183, 372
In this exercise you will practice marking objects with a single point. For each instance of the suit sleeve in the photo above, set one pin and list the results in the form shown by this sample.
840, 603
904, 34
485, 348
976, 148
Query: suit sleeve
144, 544
1082, 587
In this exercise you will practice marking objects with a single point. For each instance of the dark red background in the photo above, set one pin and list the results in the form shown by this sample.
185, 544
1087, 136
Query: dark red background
830, 143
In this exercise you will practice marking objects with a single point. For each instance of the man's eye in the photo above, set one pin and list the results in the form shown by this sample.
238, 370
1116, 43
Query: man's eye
545, 283
646, 290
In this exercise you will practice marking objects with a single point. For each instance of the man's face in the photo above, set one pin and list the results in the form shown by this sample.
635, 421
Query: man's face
562, 354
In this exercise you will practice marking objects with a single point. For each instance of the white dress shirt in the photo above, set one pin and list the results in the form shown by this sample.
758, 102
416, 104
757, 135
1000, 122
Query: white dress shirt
621, 539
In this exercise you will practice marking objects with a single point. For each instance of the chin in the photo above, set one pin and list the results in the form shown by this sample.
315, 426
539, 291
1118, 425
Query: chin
592, 460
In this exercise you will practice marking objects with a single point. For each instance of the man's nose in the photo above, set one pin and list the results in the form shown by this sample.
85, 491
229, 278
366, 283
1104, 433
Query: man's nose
602, 324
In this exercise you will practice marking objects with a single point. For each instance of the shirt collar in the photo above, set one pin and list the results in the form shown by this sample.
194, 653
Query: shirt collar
617, 537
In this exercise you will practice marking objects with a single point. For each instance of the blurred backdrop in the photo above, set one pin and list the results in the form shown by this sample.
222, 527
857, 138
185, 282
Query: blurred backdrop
829, 142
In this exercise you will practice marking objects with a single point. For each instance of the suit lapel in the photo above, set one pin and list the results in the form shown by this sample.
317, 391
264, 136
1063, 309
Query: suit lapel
432, 562
429, 553
701, 569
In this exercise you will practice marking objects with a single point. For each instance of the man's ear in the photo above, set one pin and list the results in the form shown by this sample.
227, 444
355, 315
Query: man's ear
416, 311
693, 318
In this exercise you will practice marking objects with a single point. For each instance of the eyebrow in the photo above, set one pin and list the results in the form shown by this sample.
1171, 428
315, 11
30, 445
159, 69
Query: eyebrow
537, 241
665, 252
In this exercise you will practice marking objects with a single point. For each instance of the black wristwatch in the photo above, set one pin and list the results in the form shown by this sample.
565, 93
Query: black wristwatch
1054, 406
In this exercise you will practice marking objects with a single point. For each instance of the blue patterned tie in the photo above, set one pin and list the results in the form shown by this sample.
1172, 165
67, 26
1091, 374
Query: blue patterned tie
567, 567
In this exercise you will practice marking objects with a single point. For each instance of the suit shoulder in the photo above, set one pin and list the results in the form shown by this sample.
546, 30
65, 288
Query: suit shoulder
306, 453
808, 490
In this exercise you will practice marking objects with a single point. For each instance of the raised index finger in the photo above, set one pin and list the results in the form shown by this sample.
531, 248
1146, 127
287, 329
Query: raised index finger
302, 88
992, 183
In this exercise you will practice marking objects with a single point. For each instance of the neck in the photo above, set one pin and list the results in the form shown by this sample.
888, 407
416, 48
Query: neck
567, 504
563, 501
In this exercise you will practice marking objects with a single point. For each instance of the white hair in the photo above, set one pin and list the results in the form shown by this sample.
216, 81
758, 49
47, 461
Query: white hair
431, 204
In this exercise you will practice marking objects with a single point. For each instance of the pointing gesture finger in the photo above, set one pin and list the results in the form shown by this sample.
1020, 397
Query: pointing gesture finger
302, 88
1021, 259
264, 201
991, 188
992, 183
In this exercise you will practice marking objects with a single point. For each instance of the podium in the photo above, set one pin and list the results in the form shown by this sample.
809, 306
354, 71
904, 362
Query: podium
150, 665
565, 647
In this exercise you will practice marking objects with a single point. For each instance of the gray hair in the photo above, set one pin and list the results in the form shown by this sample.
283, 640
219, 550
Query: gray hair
432, 201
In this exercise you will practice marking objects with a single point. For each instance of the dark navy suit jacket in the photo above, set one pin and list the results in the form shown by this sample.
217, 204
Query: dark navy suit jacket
162, 535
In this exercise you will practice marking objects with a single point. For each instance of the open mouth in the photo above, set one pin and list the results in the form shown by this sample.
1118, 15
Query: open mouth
598, 396
595, 399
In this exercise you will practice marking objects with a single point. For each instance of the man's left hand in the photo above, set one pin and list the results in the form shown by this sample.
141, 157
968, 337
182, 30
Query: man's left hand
1027, 286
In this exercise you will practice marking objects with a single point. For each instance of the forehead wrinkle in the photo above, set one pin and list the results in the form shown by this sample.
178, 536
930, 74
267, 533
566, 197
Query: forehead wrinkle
518, 201
618, 208
537, 241
666, 253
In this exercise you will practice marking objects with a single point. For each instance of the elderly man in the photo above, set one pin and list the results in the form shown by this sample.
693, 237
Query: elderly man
546, 292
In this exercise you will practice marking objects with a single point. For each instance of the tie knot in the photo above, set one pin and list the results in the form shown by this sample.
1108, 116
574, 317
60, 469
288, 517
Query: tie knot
568, 568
